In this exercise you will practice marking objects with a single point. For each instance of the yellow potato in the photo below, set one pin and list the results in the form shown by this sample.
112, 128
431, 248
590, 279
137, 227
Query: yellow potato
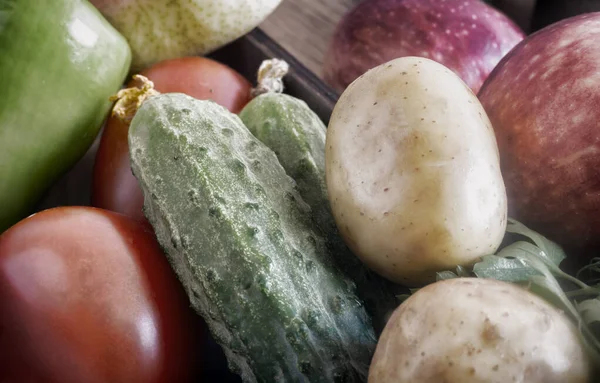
471, 330
413, 171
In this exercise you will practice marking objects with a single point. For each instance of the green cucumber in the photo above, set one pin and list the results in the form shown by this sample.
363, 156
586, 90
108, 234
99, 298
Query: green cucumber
297, 135
239, 237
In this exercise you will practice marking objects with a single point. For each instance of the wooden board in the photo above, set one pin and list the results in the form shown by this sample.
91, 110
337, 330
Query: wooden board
305, 27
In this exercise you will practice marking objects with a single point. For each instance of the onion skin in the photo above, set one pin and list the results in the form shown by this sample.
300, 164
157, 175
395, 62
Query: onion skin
467, 36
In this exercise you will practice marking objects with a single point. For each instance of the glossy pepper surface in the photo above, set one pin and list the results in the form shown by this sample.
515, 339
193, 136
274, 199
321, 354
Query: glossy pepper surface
60, 61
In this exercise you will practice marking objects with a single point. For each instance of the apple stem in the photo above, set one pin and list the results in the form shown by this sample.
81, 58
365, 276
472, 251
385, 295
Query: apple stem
270, 77
129, 100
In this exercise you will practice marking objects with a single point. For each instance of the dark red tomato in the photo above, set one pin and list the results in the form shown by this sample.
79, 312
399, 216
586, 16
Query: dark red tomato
114, 186
86, 296
202, 78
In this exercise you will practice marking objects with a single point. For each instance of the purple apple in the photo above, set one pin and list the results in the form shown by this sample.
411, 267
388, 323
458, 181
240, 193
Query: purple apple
467, 36
543, 100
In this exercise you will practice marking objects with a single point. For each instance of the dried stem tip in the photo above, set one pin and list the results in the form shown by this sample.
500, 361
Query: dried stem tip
270, 77
129, 100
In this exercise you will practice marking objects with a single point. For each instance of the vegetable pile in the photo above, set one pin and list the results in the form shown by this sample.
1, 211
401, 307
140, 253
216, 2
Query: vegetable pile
426, 234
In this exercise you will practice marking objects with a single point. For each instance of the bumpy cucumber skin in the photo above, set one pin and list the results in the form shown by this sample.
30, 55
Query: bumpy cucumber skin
296, 134
288, 127
240, 239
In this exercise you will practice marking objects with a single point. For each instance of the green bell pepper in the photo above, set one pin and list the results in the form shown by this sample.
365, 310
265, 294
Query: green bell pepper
60, 61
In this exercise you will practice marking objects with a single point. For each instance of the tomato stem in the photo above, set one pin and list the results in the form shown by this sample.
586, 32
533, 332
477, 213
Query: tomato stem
270, 77
129, 100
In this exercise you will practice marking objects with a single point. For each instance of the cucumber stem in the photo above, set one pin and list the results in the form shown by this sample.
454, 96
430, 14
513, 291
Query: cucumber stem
270, 77
129, 100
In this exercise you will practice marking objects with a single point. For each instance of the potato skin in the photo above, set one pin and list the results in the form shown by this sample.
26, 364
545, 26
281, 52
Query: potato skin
413, 171
471, 330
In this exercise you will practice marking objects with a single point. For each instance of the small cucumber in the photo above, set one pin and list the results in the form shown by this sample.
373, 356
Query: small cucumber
287, 126
240, 239
296, 134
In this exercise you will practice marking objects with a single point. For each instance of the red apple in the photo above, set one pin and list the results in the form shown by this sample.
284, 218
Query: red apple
467, 36
543, 100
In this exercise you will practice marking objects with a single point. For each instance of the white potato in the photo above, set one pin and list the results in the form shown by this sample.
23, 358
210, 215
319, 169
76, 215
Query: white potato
472, 330
413, 171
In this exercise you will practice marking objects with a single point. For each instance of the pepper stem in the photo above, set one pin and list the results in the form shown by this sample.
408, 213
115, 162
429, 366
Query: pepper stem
270, 77
129, 100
